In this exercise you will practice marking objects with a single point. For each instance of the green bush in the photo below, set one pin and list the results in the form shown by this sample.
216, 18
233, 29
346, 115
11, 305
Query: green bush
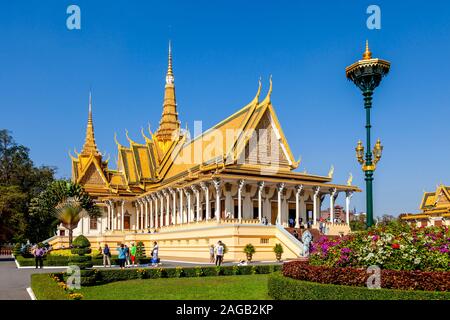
81, 242
283, 288
17, 250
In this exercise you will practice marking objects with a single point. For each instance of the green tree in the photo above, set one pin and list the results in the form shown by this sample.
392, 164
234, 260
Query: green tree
44, 208
69, 213
20, 181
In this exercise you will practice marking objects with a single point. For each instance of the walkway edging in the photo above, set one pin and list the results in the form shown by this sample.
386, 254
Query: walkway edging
31, 293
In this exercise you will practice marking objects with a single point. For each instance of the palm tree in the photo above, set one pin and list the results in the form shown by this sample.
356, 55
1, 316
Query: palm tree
69, 212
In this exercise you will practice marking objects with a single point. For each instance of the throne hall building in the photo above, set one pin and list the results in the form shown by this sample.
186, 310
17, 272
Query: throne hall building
235, 182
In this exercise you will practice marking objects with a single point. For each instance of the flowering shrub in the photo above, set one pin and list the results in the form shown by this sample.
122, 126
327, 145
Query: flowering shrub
396, 247
390, 279
76, 296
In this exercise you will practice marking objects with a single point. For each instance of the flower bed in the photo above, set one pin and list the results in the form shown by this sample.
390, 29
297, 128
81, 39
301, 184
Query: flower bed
394, 247
390, 279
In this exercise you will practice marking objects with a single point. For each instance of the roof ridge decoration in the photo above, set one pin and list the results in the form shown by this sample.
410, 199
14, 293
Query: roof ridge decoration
269, 92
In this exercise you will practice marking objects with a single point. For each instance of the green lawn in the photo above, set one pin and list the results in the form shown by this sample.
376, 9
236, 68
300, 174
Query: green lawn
253, 287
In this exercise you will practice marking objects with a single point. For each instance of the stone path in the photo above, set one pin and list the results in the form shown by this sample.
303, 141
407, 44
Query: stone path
13, 282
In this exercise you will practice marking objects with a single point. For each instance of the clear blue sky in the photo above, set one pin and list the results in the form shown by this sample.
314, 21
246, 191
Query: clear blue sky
220, 50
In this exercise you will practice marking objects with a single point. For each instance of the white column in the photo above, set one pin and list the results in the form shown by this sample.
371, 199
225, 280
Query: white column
174, 205
181, 217
156, 210
161, 217
298, 191
188, 205
113, 216
260, 191
146, 212
136, 204
348, 195
197, 203
167, 194
333, 193
280, 188
150, 203
240, 186
315, 198
217, 184
122, 215
141, 203
108, 217
205, 188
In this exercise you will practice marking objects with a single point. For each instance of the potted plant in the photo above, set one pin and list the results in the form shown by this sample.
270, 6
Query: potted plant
249, 250
278, 249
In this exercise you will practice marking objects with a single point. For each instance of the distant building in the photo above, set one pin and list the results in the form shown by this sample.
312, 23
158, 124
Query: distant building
435, 208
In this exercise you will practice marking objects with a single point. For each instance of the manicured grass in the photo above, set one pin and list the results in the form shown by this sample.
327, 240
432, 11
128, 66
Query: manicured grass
284, 288
45, 288
253, 287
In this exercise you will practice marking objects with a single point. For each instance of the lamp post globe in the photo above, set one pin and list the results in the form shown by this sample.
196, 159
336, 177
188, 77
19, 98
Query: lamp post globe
367, 74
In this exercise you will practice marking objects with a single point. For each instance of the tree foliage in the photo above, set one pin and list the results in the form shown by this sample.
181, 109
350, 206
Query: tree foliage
43, 208
20, 181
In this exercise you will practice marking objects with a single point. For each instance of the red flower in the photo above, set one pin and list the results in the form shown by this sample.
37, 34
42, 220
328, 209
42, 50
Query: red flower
395, 246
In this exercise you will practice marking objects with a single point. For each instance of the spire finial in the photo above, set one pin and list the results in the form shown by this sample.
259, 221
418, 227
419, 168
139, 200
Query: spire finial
90, 146
367, 54
169, 77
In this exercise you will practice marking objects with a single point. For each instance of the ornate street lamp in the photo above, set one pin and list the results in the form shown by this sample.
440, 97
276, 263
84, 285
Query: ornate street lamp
366, 74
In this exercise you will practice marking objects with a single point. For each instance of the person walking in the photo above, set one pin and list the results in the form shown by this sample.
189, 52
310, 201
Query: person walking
155, 259
219, 253
133, 251
39, 256
106, 256
122, 256
211, 254
127, 256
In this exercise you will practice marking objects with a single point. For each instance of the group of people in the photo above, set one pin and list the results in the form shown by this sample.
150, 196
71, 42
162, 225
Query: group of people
216, 253
127, 255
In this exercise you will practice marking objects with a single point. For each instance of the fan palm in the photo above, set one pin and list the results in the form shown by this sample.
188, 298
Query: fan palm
69, 212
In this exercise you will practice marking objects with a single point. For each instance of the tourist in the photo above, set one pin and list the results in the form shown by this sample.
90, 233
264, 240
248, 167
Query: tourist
39, 256
106, 256
295, 234
291, 222
307, 239
219, 253
211, 254
133, 251
122, 256
127, 256
155, 259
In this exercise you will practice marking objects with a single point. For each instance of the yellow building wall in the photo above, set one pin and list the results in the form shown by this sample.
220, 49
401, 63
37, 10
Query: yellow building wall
191, 242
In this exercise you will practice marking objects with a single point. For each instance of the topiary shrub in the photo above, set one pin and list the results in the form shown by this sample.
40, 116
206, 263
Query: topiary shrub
140, 253
278, 249
17, 250
82, 259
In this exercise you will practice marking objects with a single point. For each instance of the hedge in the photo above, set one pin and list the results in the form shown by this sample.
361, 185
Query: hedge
390, 279
103, 276
284, 288
53, 260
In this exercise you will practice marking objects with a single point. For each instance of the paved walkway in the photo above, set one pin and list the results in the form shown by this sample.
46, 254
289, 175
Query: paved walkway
13, 281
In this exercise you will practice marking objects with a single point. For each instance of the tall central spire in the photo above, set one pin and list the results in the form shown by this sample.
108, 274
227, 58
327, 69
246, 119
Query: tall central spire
169, 122
90, 146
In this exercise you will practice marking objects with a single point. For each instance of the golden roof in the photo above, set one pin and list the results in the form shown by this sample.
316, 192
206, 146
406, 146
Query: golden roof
170, 157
